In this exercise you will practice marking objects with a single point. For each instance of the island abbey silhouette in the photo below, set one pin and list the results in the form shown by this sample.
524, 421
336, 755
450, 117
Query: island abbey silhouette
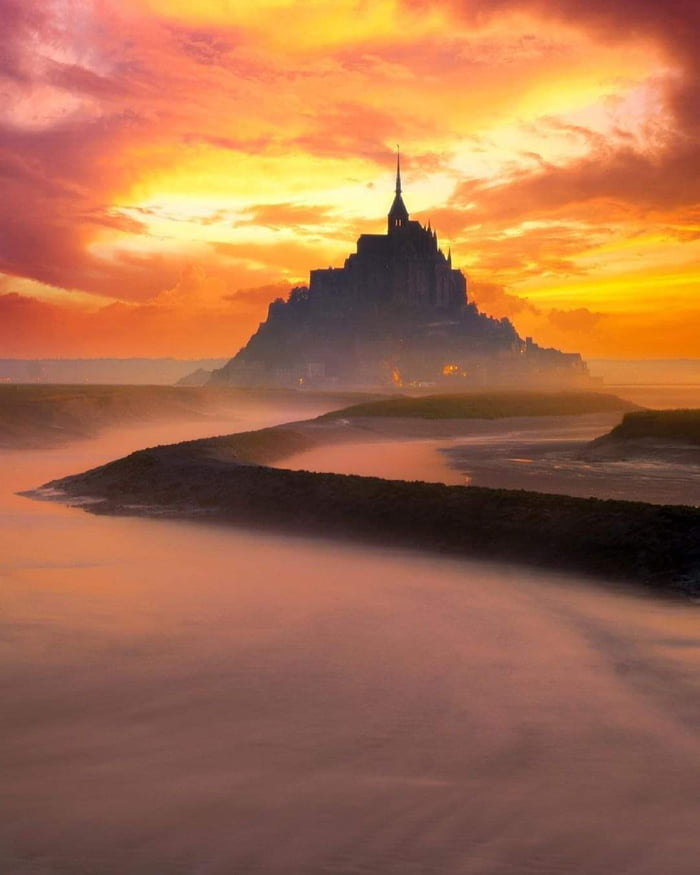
397, 312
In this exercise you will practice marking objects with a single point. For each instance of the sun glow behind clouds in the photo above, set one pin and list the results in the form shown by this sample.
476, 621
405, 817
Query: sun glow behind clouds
311, 26
256, 140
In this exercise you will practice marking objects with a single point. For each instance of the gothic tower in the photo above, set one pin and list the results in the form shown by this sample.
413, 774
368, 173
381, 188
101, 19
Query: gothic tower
396, 306
398, 214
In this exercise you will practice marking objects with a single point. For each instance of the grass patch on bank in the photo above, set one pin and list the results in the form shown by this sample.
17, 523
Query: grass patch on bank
674, 425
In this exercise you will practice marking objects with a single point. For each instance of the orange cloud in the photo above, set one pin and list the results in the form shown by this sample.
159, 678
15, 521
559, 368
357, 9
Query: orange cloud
140, 137
194, 319
285, 215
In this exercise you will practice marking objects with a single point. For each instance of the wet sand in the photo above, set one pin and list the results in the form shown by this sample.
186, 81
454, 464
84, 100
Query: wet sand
550, 464
542, 454
184, 699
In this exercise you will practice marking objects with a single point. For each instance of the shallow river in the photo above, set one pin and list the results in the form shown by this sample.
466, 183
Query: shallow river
183, 698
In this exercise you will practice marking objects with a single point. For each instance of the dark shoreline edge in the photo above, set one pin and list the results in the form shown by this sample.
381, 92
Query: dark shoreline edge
657, 434
657, 546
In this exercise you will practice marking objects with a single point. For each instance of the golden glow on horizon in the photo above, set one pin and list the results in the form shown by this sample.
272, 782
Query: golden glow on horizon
647, 291
254, 142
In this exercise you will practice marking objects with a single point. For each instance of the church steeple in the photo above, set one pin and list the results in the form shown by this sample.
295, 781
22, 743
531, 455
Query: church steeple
398, 214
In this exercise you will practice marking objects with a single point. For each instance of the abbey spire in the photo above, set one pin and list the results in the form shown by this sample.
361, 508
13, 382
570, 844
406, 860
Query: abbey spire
398, 214
396, 310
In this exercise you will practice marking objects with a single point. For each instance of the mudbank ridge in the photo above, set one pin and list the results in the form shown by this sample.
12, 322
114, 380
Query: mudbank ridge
656, 436
223, 479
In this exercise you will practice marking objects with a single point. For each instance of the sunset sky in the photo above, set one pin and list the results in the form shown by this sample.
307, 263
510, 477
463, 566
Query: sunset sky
168, 167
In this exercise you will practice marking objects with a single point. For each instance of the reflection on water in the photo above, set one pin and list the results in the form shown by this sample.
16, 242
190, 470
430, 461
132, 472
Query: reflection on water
393, 460
543, 454
554, 461
182, 698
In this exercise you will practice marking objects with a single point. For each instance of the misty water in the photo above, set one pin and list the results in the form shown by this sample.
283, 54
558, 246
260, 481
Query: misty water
541, 454
190, 698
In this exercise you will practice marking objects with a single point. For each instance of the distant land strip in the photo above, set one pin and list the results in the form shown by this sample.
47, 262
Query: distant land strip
488, 405
45, 416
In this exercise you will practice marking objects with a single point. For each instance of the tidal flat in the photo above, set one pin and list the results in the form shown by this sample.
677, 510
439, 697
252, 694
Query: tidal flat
186, 698
229, 478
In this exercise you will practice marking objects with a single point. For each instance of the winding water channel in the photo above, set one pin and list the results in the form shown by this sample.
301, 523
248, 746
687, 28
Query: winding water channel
184, 698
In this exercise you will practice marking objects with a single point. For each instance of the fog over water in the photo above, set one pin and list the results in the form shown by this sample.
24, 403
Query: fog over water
190, 698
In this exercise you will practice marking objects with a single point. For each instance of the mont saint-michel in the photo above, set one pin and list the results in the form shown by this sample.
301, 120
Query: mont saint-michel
398, 313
